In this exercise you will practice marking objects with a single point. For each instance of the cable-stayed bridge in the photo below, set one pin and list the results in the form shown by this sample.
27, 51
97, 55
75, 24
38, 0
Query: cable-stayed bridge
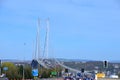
42, 58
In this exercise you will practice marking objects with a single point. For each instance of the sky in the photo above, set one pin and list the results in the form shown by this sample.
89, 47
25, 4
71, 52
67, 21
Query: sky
79, 29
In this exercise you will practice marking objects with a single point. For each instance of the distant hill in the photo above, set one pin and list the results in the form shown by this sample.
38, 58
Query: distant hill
85, 60
14, 60
60, 59
115, 61
73, 60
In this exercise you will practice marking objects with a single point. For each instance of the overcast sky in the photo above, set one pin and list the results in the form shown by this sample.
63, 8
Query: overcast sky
79, 29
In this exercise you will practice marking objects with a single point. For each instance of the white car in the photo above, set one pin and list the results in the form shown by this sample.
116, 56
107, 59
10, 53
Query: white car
114, 76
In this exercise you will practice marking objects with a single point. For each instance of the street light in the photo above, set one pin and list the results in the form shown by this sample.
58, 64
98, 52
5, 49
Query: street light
23, 64
0, 67
23, 72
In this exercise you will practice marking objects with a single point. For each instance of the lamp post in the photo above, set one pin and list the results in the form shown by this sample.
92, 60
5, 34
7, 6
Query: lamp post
23, 72
23, 63
0, 67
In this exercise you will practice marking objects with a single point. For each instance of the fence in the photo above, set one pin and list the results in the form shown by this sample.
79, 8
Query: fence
107, 79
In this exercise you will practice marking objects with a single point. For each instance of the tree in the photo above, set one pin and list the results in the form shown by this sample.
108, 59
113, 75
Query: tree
28, 73
12, 72
20, 71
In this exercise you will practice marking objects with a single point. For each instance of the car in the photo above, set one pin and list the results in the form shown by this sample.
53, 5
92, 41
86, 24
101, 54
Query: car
85, 76
114, 76
79, 78
68, 78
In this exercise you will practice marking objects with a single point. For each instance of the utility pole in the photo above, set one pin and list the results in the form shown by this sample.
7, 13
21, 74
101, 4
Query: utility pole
23, 72
24, 63
0, 67
23, 69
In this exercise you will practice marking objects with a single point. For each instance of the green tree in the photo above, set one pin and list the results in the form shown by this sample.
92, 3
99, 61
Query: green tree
28, 73
20, 71
12, 72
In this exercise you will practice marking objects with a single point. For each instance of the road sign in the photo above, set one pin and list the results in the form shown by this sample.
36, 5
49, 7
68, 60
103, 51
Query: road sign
53, 73
5, 68
35, 72
34, 64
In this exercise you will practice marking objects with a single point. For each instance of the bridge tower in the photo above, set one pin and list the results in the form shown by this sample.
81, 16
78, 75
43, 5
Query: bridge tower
46, 45
38, 54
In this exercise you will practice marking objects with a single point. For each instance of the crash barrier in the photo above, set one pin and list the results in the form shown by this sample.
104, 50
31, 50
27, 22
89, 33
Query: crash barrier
52, 79
2, 78
107, 79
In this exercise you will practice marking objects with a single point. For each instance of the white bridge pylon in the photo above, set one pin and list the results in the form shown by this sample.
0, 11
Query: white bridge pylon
39, 53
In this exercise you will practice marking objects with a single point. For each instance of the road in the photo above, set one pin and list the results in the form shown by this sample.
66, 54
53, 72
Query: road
62, 79
53, 79
108, 79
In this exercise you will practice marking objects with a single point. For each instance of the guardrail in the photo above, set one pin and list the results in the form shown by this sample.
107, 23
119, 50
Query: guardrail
3, 78
107, 79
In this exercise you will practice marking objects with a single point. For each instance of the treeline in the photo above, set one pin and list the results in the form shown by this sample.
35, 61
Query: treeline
13, 71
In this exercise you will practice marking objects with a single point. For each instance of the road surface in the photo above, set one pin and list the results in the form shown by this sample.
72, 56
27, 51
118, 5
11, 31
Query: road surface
62, 79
